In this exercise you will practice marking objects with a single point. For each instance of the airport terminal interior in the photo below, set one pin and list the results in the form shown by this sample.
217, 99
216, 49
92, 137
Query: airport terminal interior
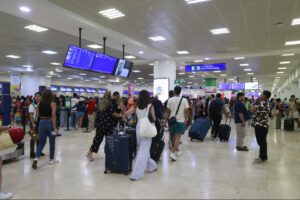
149, 99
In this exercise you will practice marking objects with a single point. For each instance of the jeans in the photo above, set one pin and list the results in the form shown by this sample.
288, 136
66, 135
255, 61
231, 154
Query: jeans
73, 118
216, 125
45, 129
261, 137
63, 118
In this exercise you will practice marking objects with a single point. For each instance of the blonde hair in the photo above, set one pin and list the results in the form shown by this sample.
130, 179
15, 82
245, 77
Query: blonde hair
105, 101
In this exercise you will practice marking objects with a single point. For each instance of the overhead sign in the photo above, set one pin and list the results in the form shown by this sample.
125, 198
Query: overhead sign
179, 81
206, 67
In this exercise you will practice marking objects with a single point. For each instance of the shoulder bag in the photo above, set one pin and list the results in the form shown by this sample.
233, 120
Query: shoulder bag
173, 120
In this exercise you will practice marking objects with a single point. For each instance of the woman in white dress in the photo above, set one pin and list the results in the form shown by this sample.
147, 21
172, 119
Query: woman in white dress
143, 160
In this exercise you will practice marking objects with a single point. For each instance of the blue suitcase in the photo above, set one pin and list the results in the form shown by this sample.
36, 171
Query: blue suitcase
199, 129
118, 154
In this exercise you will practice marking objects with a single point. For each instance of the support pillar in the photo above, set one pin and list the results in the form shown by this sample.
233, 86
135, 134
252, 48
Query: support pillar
30, 84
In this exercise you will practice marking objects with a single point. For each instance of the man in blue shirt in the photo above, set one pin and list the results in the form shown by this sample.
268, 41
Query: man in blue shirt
241, 116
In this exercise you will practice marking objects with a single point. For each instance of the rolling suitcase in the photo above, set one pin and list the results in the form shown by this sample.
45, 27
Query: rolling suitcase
157, 146
132, 131
224, 131
199, 129
289, 125
118, 153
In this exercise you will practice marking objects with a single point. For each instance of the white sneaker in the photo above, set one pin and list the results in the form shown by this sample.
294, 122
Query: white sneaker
53, 162
179, 152
4, 196
173, 156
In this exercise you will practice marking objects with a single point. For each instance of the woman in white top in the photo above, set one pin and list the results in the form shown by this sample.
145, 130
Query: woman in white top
143, 160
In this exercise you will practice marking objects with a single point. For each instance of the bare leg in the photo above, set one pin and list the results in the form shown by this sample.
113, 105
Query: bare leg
80, 122
176, 142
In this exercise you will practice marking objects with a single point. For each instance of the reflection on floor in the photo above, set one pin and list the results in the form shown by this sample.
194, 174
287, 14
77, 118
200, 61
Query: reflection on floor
205, 170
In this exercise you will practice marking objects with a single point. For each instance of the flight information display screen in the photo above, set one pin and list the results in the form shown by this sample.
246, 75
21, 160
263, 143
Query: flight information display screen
123, 68
104, 64
79, 58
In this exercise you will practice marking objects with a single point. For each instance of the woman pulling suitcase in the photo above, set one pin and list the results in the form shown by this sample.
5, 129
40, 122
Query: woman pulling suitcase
143, 160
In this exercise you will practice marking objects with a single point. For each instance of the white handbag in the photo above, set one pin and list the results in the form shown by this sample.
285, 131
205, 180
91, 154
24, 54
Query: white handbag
147, 129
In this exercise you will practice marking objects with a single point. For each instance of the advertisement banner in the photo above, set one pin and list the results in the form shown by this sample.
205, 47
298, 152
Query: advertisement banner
15, 85
210, 85
161, 88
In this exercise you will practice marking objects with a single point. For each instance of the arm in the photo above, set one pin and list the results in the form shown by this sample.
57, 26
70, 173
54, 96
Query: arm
253, 109
3, 128
153, 113
166, 116
31, 120
241, 116
53, 106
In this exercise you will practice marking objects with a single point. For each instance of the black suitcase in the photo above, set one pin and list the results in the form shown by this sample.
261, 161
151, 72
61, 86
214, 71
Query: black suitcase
157, 146
224, 131
289, 124
132, 131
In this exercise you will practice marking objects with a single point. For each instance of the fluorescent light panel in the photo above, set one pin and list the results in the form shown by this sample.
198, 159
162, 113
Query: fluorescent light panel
55, 63
282, 68
280, 72
94, 46
198, 61
49, 52
239, 58
247, 70
244, 65
296, 22
181, 73
195, 1
130, 57
295, 42
27, 66
157, 38
111, 13
12, 56
219, 31
284, 62
136, 71
140, 78
24, 9
36, 28
182, 52
288, 54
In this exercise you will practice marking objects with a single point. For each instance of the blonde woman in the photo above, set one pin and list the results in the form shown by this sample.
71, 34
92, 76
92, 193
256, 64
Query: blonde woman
103, 123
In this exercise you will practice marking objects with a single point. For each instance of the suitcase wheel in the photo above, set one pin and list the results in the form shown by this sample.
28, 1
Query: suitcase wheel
105, 172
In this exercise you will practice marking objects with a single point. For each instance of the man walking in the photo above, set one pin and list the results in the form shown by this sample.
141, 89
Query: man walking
260, 122
241, 116
177, 108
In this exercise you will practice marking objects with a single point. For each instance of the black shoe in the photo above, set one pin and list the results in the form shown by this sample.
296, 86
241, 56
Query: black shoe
42, 154
242, 149
32, 155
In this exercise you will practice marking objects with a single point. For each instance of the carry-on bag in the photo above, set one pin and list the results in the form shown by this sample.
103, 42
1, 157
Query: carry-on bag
289, 124
157, 146
224, 131
199, 129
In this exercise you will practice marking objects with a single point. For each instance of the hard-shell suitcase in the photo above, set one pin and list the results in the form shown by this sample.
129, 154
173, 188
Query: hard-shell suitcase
199, 129
224, 131
157, 146
132, 131
289, 124
118, 153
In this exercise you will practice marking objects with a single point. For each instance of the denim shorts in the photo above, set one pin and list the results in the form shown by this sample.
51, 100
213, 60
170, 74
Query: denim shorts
79, 114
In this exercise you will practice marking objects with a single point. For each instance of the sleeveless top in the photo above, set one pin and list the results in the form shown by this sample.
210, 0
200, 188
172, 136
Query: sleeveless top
45, 110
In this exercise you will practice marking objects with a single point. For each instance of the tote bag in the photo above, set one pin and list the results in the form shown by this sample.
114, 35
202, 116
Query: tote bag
6, 144
147, 129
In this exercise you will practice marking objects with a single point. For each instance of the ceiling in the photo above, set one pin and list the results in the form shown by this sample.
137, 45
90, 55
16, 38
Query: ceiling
258, 31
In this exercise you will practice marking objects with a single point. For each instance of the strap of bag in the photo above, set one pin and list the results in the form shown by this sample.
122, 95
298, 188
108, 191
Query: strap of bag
178, 106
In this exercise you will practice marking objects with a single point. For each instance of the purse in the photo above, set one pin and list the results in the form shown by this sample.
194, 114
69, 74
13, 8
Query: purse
147, 129
6, 144
173, 120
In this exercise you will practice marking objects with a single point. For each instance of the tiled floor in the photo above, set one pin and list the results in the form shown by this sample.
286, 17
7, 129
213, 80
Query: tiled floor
205, 170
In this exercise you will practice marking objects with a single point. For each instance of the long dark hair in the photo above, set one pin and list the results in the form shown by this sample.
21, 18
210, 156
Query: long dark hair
47, 97
144, 99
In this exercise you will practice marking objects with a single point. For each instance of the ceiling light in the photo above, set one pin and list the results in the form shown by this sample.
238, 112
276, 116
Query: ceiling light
277, 77
231, 79
181, 73
69, 78
58, 70
247, 70
49, 52
151, 74
87, 80
136, 71
94, 46
151, 64
140, 78
223, 75
12, 56
219, 31
27, 66
244, 65
102, 76
29, 70
192, 76
82, 74
198, 61
36, 28
157, 38
217, 71
239, 58
288, 54
203, 75
189, 82
195, 1
280, 72
250, 73
59, 76
111, 13
285, 62
207, 58
282, 68
141, 52
24, 9
49, 76
55, 63
130, 57
288, 43
296, 22
182, 52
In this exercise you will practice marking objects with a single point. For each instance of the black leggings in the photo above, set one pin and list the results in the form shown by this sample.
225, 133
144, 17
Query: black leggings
261, 137
97, 140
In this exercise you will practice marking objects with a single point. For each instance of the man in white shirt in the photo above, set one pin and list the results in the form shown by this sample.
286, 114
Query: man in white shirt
177, 128
74, 101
